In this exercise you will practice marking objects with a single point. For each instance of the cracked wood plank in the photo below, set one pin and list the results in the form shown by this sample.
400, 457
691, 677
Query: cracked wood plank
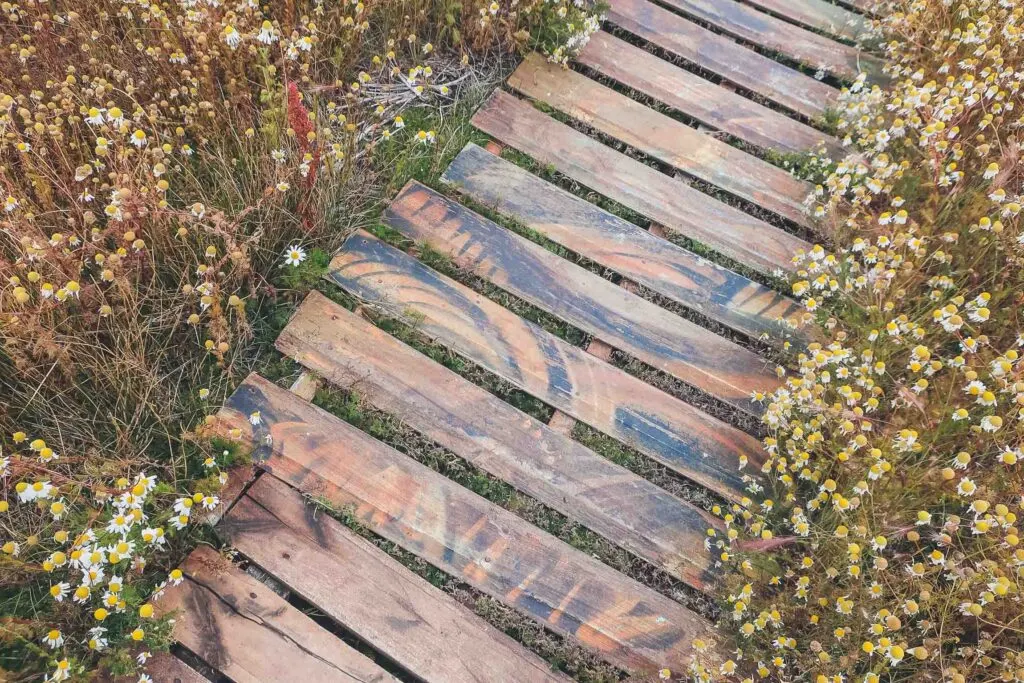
723, 57
608, 399
241, 628
707, 102
489, 433
641, 188
601, 308
626, 248
664, 138
422, 629
463, 534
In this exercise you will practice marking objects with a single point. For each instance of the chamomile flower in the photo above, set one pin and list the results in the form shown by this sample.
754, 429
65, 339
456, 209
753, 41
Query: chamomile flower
294, 256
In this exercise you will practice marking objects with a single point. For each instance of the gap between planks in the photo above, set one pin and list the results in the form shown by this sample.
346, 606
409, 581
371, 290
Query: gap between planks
463, 534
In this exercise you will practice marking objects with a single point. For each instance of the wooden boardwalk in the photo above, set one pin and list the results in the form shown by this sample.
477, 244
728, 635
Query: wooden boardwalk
666, 116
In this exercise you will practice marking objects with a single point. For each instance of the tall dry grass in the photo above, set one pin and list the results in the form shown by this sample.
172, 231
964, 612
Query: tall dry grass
158, 161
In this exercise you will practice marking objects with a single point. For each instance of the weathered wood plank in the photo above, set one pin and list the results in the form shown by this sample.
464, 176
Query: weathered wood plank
707, 102
866, 6
166, 668
664, 138
639, 187
723, 57
463, 534
799, 44
163, 667
492, 435
818, 14
564, 376
243, 629
658, 337
624, 247
358, 585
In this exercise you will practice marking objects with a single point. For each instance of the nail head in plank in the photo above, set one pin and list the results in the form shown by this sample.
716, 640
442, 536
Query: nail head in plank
818, 14
711, 103
799, 44
595, 305
724, 57
675, 433
639, 187
243, 629
349, 579
499, 439
664, 138
463, 534
631, 251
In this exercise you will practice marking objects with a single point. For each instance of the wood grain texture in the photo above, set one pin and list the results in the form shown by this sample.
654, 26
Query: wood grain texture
707, 102
164, 667
664, 138
639, 187
799, 44
416, 625
675, 433
243, 629
818, 14
492, 435
723, 57
624, 247
621, 319
463, 534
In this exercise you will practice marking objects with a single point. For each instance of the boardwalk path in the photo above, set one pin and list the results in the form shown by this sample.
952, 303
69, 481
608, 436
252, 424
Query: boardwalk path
677, 143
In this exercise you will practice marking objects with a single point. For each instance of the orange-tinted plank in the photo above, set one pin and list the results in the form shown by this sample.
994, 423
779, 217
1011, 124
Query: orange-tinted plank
624, 247
564, 376
707, 102
373, 596
723, 57
799, 44
243, 629
637, 186
664, 138
463, 534
818, 14
584, 299
492, 435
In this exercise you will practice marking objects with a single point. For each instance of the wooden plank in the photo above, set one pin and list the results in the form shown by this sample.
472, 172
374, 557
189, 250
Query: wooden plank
564, 376
358, 585
492, 435
624, 247
637, 186
723, 57
243, 629
818, 14
866, 6
162, 667
658, 337
707, 102
664, 138
463, 534
764, 30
